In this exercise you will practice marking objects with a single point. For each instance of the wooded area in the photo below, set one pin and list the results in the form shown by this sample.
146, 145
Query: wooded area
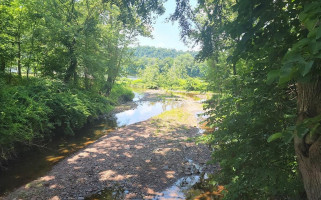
261, 59
165, 68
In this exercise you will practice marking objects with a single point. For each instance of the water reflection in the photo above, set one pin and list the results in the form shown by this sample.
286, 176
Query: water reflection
37, 161
138, 96
144, 111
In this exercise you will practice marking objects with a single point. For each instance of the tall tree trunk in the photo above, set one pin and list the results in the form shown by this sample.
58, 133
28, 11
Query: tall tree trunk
113, 74
236, 92
2, 64
31, 50
109, 85
71, 71
19, 56
28, 68
308, 148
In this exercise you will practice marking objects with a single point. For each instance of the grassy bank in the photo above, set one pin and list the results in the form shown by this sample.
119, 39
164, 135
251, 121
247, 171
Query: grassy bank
31, 109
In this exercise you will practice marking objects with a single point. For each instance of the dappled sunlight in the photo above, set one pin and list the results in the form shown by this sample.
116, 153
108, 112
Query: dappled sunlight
92, 150
127, 155
64, 151
111, 175
53, 186
138, 147
146, 156
170, 174
212, 195
87, 143
39, 183
150, 191
54, 159
78, 156
55, 198
47, 178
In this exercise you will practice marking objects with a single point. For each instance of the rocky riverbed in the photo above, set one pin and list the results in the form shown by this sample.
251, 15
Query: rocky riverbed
141, 159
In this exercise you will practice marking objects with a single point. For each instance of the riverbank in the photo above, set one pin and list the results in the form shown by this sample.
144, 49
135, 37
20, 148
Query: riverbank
36, 110
143, 159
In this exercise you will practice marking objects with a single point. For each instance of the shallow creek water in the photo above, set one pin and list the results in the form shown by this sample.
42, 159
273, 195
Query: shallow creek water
39, 160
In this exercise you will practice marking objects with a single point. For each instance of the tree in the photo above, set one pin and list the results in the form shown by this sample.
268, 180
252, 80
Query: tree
6, 36
267, 35
302, 64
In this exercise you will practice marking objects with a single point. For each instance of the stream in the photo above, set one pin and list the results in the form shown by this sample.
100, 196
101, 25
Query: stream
36, 162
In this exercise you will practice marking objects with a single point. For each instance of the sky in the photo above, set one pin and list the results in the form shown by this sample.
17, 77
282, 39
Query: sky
165, 34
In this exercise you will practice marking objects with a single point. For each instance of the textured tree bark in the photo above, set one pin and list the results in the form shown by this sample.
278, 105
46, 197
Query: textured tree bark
308, 148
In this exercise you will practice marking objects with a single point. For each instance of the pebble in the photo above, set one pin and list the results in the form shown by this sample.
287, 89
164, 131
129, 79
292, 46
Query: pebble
166, 167
146, 158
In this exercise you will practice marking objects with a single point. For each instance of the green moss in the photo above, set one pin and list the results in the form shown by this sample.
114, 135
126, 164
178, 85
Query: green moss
177, 114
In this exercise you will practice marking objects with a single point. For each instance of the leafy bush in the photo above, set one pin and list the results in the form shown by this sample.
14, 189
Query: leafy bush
250, 166
120, 93
30, 112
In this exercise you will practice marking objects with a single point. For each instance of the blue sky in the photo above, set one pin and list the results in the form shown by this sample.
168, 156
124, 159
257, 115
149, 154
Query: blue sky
165, 35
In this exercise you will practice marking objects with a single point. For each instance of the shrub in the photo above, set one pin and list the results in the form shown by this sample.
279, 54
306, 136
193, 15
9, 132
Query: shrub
29, 112
120, 93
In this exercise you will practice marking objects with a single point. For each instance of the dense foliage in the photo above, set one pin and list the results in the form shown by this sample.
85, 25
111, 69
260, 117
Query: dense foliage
249, 45
59, 61
81, 42
35, 107
158, 67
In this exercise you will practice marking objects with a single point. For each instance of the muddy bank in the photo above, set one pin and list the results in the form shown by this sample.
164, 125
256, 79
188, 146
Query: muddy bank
143, 159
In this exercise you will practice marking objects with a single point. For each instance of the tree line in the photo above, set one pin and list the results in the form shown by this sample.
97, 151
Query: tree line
70, 40
166, 68
157, 52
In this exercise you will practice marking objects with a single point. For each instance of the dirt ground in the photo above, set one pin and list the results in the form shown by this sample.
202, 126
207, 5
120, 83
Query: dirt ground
143, 158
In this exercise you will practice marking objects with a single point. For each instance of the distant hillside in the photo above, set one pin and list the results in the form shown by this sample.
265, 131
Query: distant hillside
156, 52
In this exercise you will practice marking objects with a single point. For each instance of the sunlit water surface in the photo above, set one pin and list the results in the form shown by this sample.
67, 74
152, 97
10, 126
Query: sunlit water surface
38, 161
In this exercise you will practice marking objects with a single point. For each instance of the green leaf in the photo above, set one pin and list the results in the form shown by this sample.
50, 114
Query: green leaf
307, 68
272, 76
318, 34
285, 73
302, 130
274, 136
288, 136
315, 127
310, 24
